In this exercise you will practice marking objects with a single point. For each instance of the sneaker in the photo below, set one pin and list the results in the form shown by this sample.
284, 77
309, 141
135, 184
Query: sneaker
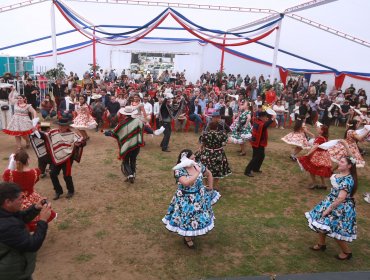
367, 198
281, 127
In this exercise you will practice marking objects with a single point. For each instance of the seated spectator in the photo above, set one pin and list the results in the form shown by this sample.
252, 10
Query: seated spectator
66, 107
195, 114
48, 107
113, 108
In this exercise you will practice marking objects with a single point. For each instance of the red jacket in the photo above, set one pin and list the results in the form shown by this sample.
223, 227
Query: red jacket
259, 133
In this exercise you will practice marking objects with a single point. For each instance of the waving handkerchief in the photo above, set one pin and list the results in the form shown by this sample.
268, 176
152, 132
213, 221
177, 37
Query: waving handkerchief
329, 144
184, 162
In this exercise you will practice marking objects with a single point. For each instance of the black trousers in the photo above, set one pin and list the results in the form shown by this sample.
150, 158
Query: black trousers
166, 135
54, 172
128, 166
257, 160
43, 162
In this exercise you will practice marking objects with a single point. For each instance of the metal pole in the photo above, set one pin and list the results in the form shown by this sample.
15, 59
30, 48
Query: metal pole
276, 50
222, 59
94, 53
53, 35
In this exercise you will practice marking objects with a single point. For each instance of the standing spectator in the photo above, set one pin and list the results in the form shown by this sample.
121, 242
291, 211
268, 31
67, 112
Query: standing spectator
17, 246
5, 112
280, 111
270, 95
30, 92
58, 91
43, 86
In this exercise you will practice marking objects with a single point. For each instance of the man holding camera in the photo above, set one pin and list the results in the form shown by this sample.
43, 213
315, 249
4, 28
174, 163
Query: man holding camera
17, 246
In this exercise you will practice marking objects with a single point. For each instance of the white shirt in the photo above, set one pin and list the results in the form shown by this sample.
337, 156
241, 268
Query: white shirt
156, 108
279, 109
148, 108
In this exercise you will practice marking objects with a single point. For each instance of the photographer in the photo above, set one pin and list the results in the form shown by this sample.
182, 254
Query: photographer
17, 246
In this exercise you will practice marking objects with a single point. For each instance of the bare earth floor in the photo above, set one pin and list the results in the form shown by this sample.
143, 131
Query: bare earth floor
113, 230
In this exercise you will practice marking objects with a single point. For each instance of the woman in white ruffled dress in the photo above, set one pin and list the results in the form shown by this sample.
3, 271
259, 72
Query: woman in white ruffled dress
20, 124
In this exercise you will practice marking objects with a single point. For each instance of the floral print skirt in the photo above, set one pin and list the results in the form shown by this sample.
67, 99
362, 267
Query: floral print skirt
190, 212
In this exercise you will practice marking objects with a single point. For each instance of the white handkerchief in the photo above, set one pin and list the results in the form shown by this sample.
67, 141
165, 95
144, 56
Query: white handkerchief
329, 144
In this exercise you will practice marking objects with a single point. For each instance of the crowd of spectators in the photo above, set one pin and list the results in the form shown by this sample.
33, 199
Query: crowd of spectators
106, 92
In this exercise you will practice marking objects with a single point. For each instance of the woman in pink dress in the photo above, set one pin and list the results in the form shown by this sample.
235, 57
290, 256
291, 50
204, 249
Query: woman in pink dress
20, 124
84, 120
297, 138
26, 178
351, 138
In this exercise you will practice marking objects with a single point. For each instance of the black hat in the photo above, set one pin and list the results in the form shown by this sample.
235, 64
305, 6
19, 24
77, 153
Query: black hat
64, 122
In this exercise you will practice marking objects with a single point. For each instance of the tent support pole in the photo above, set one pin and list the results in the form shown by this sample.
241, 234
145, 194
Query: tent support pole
94, 53
53, 35
222, 59
276, 50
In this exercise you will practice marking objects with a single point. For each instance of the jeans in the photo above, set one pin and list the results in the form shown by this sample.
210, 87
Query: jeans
280, 119
45, 113
197, 120
68, 115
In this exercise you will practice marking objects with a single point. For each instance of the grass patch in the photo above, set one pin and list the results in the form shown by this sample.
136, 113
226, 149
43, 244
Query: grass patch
82, 258
64, 225
101, 234
111, 175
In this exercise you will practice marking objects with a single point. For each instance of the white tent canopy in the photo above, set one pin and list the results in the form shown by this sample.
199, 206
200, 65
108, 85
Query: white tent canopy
296, 37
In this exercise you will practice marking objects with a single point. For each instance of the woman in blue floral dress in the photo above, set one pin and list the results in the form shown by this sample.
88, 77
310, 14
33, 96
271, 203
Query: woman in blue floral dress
212, 153
241, 128
190, 212
335, 216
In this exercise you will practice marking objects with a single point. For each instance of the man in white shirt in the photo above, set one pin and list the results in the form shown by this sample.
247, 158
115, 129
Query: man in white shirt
157, 106
148, 108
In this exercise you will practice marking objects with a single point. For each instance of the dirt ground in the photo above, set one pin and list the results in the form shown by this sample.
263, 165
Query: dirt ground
112, 229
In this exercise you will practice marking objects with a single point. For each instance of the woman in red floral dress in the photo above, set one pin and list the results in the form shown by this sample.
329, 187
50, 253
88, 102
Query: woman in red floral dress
84, 120
26, 178
317, 162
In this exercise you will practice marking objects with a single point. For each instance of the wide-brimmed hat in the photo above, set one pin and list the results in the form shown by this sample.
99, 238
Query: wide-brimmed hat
128, 111
64, 122
96, 96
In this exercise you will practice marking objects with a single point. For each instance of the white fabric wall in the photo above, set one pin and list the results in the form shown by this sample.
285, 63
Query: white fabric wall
198, 60
190, 64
